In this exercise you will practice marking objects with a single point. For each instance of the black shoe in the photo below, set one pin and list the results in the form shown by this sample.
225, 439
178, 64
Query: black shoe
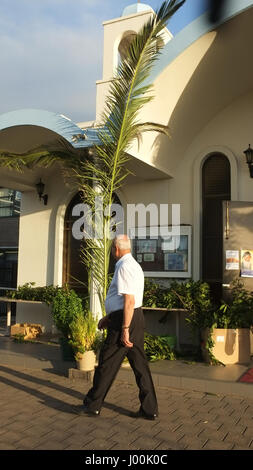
86, 401
142, 414
85, 410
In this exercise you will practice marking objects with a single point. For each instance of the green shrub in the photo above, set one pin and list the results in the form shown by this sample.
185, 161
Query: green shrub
65, 302
158, 348
238, 312
152, 294
29, 292
193, 296
66, 307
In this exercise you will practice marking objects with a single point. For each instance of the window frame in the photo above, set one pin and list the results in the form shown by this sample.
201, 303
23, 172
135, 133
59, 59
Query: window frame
184, 230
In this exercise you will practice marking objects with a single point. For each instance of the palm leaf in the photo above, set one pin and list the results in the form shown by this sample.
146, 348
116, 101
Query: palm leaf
44, 156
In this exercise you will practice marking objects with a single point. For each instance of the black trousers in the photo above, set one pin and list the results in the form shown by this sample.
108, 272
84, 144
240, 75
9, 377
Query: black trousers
110, 360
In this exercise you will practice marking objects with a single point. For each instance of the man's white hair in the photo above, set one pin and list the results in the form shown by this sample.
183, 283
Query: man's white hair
123, 242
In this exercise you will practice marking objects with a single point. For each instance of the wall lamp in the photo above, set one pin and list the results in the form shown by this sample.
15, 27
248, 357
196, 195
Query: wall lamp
40, 190
249, 159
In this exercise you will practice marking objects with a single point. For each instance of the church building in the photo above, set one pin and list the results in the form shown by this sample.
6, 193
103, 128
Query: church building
203, 92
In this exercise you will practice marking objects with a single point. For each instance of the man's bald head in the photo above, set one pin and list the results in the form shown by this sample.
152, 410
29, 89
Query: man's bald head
121, 245
123, 242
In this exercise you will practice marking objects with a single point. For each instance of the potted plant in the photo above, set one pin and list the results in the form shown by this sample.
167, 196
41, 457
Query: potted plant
85, 340
227, 340
66, 306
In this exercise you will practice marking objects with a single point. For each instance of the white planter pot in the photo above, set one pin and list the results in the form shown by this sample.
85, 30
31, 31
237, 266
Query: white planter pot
87, 361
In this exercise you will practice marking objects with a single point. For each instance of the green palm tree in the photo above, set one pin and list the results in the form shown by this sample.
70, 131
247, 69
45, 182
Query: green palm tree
103, 171
106, 172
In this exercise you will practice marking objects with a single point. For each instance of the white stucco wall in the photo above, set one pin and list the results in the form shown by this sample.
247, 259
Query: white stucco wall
38, 225
41, 243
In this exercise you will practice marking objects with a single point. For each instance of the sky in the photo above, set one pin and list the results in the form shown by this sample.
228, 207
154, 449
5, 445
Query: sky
51, 51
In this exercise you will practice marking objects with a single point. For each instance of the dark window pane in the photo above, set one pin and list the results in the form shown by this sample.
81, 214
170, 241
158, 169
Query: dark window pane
215, 189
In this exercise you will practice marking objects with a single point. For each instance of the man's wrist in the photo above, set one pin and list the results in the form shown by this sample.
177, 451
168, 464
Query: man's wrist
125, 327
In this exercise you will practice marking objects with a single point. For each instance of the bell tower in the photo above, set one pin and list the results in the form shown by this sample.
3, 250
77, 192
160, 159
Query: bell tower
118, 33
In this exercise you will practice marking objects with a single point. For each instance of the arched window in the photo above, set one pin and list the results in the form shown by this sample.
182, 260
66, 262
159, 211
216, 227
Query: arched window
216, 187
124, 44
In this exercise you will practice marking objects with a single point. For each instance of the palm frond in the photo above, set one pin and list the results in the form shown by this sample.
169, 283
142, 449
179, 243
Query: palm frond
43, 156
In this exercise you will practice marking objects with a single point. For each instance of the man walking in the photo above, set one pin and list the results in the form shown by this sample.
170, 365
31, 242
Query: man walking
125, 336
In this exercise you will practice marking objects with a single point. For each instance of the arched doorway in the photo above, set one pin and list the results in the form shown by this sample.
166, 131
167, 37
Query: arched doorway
216, 187
74, 272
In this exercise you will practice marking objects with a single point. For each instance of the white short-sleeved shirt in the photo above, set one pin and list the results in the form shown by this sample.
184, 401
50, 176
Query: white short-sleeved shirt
128, 279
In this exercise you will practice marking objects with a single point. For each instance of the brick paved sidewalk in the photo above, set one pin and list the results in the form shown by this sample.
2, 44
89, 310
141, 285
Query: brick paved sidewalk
36, 412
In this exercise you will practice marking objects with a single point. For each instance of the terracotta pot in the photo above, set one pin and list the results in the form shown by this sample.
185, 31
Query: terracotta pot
87, 361
230, 346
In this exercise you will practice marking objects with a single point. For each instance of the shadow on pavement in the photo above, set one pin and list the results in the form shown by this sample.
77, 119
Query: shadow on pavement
46, 399
32, 355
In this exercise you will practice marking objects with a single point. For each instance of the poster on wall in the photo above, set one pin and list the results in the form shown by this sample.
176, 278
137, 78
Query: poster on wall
149, 257
146, 246
232, 260
247, 263
175, 262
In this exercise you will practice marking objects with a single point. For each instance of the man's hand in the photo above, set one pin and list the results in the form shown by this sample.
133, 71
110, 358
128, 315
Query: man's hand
125, 338
103, 323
